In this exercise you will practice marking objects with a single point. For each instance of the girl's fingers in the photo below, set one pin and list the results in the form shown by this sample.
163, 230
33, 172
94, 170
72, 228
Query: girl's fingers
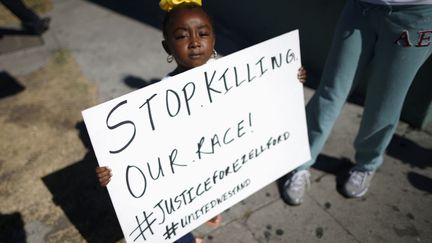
103, 171
103, 181
301, 79
301, 75
104, 174
105, 177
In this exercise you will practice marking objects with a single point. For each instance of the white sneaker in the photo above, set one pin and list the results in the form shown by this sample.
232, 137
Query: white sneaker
295, 187
358, 183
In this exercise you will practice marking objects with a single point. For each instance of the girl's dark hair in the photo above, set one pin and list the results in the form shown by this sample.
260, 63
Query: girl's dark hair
173, 11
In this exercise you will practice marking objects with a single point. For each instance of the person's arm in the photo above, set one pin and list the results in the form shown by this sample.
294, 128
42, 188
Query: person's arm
104, 175
301, 74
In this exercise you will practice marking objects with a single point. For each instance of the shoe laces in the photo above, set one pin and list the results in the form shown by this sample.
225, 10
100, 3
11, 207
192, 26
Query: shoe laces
299, 180
359, 177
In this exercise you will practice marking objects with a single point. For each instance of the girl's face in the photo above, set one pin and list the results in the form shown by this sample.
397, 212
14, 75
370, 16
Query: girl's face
190, 38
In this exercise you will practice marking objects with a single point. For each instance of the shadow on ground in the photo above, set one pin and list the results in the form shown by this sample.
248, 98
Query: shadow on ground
410, 152
9, 85
76, 190
88, 206
12, 31
12, 228
12, 40
420, 182
415, 156
136, 82
336, 166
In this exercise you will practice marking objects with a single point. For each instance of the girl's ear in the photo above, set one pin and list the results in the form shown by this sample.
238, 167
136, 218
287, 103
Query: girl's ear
166, 48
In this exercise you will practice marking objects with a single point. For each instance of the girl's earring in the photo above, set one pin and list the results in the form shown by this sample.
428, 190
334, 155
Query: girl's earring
214, 55
170, 58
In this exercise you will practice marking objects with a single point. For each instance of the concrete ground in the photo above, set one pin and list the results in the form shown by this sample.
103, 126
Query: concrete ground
112, 49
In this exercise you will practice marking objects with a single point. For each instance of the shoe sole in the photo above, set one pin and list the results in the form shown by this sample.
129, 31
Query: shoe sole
358, 195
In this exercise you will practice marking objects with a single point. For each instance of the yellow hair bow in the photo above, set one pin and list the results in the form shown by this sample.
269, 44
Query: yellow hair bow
167, 5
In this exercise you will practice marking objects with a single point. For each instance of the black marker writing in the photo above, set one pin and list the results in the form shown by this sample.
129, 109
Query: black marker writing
230, 77
111, 127
275, 63
176, 103
209, 87
217, 83
170, 230
209, 146
206, 208
138, 192
261, 65
225, 82
128, 184
149, 111
249, 73
146, 223
188, 95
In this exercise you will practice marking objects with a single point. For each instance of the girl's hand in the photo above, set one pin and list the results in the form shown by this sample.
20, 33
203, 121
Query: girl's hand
215, 221
104, 175
301, 74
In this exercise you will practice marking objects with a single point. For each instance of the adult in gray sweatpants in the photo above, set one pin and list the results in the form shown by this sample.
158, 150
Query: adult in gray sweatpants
392, 39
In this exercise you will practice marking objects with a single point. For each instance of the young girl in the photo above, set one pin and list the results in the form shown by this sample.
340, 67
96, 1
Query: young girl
189, 39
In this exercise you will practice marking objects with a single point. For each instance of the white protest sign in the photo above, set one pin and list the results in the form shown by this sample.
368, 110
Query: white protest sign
188, 147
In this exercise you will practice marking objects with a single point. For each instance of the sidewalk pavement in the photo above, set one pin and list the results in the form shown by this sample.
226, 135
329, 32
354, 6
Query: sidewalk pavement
116, 51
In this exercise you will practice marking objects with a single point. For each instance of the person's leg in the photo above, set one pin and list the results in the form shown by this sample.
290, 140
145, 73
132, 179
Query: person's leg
395, 63
351, 51
347, 58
